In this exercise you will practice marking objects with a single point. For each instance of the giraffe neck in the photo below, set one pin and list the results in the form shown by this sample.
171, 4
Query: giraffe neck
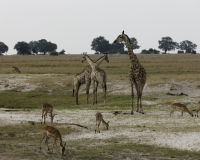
132, 56
98, 62
91, 63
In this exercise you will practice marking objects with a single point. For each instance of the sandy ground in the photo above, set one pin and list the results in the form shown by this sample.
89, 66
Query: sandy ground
156, 128
138, 128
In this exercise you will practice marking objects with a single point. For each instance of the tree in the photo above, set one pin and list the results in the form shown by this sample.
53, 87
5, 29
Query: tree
100, 45
34, 46
167, 44
134, 43
23, 48
46, 47
188, 46
62, 52
3, 48
53, 53
150, 51
117, 48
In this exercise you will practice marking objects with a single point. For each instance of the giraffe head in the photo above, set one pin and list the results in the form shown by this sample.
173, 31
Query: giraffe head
106, 57
84, 56
121, 38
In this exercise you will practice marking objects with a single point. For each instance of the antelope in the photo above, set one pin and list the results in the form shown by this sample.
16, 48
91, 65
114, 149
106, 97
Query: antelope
99, 119
47, 108
197, 109
15, 69
50, 131
179, 107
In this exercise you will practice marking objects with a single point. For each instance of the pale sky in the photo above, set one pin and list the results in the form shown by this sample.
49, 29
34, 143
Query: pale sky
73, 24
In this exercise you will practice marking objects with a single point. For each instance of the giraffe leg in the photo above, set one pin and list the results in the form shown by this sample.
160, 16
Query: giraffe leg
42, 116
96, 86
132, 96
76, 93
138, 95
87, 90
140, 89
105, 89
96, 128
140, 102
93, 92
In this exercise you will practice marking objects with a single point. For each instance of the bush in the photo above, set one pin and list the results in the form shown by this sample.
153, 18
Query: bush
53, 53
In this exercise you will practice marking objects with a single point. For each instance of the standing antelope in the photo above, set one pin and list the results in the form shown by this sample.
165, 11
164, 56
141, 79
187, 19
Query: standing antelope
15, 69
49, 131
47, 108
197, 109
99, 119
179, 107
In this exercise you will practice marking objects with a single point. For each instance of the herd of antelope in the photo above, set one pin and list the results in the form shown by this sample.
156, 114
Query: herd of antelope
50, 131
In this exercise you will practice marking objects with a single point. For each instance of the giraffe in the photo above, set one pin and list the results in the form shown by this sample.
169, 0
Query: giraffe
85, 78
137, 74
97, 76
82, 78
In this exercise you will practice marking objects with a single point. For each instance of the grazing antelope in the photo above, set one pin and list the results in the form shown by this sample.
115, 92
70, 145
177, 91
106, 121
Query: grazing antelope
15, 69
47, 108
179, 107
197, 109
99, 119
49, 131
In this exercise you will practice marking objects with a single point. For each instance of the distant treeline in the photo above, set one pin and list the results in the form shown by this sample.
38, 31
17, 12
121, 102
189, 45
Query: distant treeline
101, 45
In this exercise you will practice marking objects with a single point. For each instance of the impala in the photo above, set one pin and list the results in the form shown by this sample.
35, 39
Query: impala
197, 109
47, 108
49, 131
15, 69
179, 107
99, 119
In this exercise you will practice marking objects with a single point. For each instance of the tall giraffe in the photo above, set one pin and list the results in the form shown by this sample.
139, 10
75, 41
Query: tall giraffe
85, 78
137, 74
97, 76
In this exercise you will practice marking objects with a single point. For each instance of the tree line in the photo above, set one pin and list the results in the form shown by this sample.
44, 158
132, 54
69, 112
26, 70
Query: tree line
33, 47
100, 45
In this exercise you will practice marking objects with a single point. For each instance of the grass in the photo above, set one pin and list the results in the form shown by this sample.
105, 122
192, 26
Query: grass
13, 140
54, 76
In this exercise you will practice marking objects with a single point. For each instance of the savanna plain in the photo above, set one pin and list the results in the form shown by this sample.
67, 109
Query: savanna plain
153, 135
